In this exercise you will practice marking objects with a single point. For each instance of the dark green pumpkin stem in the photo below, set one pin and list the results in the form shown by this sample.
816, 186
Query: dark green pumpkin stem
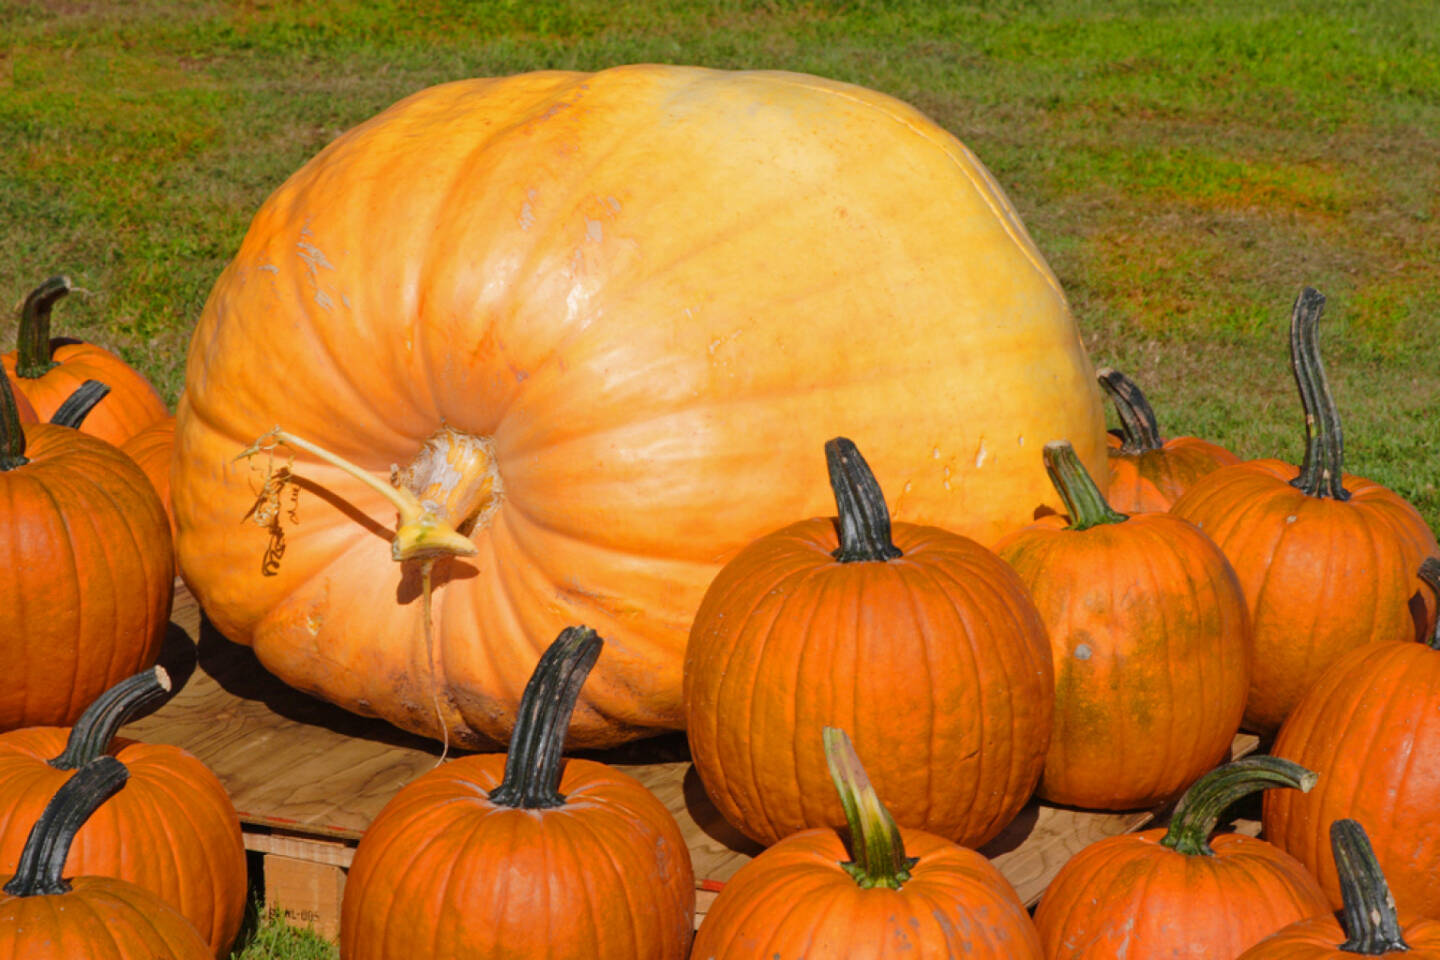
1324, 467
1084, 502
41, 870
1430, 574
1367, 914
12, 434
1200, 808
78, 405
1138, 426
877, 852
96, 728
33, 344
532, 767
864, 518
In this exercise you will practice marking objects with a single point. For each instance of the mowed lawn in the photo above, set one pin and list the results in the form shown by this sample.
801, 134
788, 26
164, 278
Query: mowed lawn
1186, 168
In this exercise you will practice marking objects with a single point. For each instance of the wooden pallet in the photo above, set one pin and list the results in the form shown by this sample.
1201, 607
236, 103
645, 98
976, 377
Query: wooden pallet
308, 777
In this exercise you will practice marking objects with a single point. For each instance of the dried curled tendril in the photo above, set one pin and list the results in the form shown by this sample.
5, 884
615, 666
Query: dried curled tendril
267, 509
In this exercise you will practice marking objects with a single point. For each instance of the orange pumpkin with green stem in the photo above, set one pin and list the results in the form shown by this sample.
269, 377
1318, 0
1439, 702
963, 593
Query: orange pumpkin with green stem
898, 894
85, 599
921, 641
1148, 472
195, 863
1150, 641
1177, 891
494, 856
45, 915
1320, 554
1370, 726
583, 293
1368, 925
47, 371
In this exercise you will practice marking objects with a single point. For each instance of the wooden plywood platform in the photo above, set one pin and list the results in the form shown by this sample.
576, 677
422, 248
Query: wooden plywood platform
308, 777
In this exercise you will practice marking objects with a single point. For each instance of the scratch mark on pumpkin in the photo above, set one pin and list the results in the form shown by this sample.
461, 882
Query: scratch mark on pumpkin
313, 256
527, 216
594, 230
981, 454
323, 299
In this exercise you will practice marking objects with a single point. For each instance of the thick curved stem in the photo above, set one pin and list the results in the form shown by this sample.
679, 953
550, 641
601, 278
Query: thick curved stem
1367, 915
93, 732
1084, 502
877, 851
1430, 574
42, 862
420, 533
532, 765
1138, 426
864, 519
32, 345
77, 406
12, 434
1200, 808
1324, 467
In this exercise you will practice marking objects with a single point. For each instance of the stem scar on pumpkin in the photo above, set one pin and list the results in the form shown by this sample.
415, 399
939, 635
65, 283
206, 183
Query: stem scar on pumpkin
420, 534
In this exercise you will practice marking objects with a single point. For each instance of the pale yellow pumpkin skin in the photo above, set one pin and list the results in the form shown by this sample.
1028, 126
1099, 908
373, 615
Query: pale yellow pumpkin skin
649, 293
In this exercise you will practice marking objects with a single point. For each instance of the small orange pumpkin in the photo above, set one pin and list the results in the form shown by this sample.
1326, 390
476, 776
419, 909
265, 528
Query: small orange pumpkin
494, 856
900, 894
46, 916
1319, 553
47, 371
1150, 639
1177, 891
1368, 925
89, 570
151, 448
197, 865
921, 641
1147, 472
1368, 726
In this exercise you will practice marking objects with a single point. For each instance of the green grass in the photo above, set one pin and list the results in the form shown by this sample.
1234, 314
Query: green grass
1186, 168
273, 939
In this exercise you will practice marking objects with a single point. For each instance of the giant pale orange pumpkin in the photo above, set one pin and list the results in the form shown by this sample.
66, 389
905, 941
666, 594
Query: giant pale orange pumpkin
1150, 640
1370, 726
46, 914
171, 831
1327, 560
523, 854
48, 371
922, 642
598, 319
88, 569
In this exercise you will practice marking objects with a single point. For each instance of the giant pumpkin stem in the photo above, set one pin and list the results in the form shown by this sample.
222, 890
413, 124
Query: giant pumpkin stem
12, 434
1324, 467
93, 732
1084, 502
1138, 427
1430, 574
77, 406
532, 764
421, 532
877, 851
1367, 914
32, 347
1200, 808
42, 862
864, 518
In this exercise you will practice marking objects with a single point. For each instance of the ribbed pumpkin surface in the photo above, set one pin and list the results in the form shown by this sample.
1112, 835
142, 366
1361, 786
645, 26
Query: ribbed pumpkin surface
99, 919
1370, 727
443, 873
935, 662
131, 405
151, 449
89, 575
794, 900
172, 830
641, 295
